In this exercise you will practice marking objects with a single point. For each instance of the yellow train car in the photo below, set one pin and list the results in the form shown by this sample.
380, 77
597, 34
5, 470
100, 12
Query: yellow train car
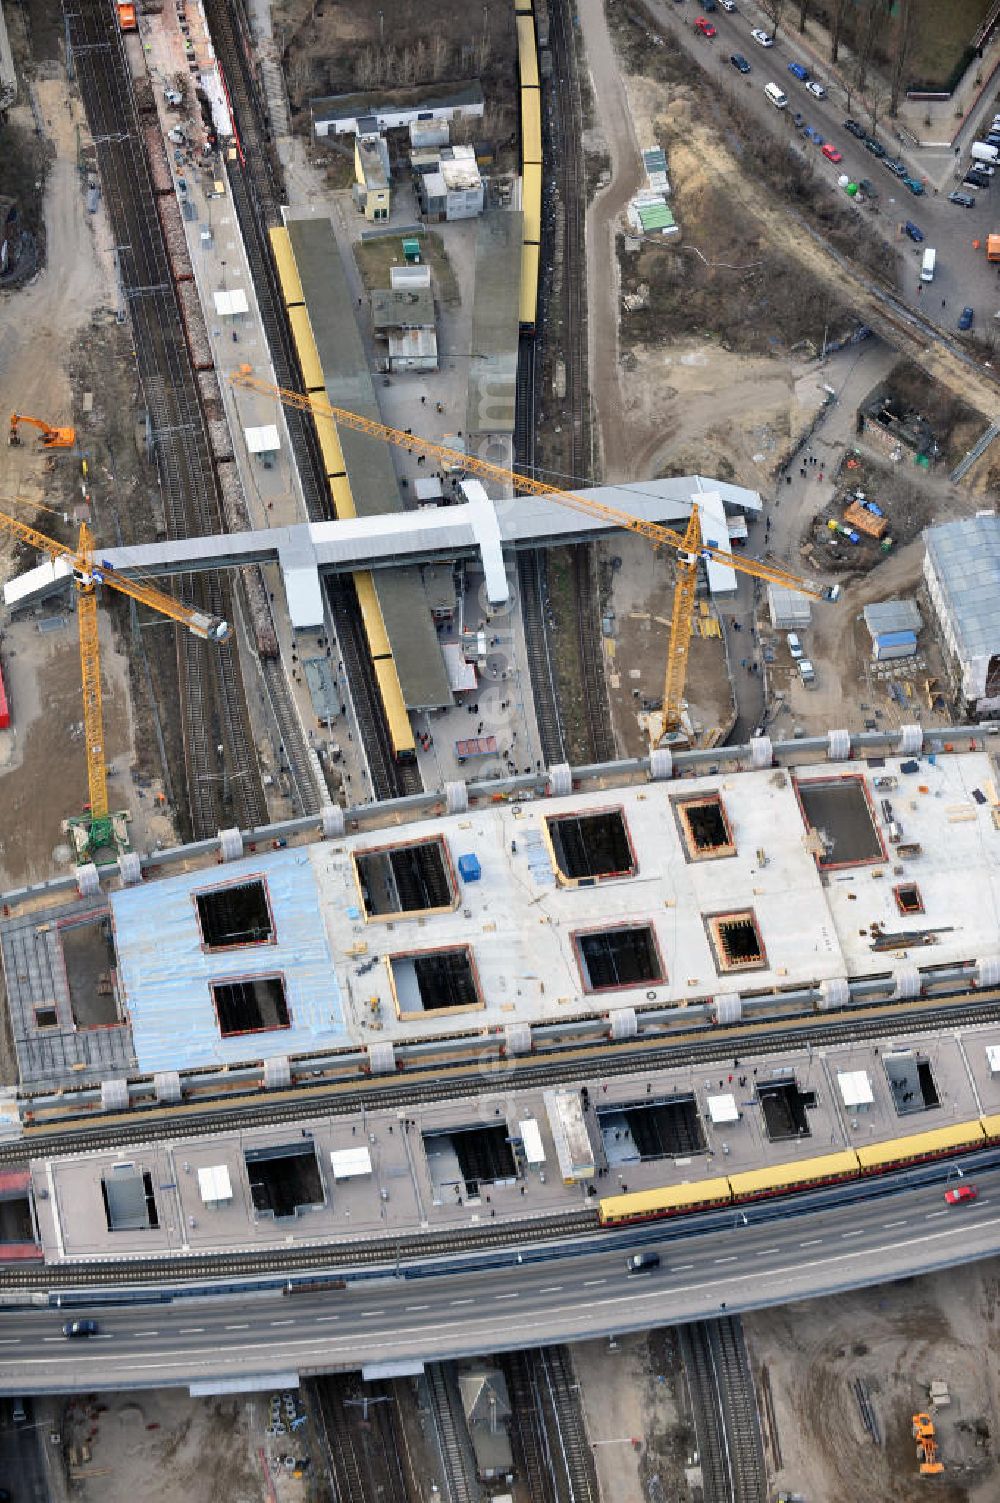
523, 7
754, 1184
673, 1200
329, 446
527, 54
305, 346
400, 730
342, 497
528, 302
288, 272
531, 202
371, 615
877, 1157
531, 126
991, 1128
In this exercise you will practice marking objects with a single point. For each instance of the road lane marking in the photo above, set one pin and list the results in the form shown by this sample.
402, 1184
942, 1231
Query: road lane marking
289, 1322
417, 1307
516, 1295
680, 1267
16, 1340
145, 1333
765, 1252
858, 1233
813, 1242
462, 1302
933, 1215
324, 1320
592, 1283
236, 1328
191, 1331
888, 1225
551, 1289
379, 1312
731, 1258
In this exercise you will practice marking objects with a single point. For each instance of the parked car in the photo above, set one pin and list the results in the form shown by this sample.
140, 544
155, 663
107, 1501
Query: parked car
799, 71
740, 63
855, 129
868, 188
761, 37
915, 186
966, 200
709, 6
80, 1328
895, 166
874, 146
973, 179
914, 231
812, 134
831, 153
816, 89
705, 27
961, 1195
729, 5
965, 319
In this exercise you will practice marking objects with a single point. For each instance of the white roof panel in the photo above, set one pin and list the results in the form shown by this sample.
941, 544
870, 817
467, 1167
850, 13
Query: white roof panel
993, 1058
215, 1184
349, 1163
723, 1108
855, 1087
263, 440
228, 303
531, 1137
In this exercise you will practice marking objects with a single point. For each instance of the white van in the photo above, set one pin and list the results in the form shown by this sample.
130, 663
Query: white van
779, 100
927, 265
795, 646
982, 151
807, 672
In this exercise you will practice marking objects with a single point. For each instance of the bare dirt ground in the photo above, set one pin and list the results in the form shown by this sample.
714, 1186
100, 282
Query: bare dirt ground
162, 1445
635, 1403
897, 1339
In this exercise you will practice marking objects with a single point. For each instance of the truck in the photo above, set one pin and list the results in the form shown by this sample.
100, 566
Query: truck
993, 247
127, 17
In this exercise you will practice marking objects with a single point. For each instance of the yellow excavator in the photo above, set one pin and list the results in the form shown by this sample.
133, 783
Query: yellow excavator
667, 728
51, 437
927, 1447
97, 830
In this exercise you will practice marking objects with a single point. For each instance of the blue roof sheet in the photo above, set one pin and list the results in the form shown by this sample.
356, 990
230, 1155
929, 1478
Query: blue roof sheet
166, 972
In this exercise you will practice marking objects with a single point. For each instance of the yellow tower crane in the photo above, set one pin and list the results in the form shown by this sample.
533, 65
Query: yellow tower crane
690, 546
97, 830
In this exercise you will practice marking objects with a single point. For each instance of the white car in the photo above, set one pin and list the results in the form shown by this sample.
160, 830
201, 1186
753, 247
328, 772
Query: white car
729, 5
816, 89
763, 37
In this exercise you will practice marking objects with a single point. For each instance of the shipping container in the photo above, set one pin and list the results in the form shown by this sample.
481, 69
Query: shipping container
889, 645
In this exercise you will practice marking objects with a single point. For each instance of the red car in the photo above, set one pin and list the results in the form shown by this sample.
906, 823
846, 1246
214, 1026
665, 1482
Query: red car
961, 1194
705, 27
831, 153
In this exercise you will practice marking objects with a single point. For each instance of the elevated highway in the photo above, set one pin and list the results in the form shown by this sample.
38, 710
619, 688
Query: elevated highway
776, 1254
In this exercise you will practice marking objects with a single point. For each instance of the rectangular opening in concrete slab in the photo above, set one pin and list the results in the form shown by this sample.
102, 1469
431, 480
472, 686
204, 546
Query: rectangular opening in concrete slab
736, 942
626, 955
405, 879
911, 1081
129, 1202
250, 1004
591, 847
46, 1017
465, 1161
840, 811
637, 1131
237, 914
435, 981
784, 1107
908, 899
284, 1178
704, 827
88, 952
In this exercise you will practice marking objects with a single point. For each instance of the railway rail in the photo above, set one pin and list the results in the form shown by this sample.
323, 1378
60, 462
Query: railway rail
724, 1409
256, 194
212, 701
437, 1079
455, 1478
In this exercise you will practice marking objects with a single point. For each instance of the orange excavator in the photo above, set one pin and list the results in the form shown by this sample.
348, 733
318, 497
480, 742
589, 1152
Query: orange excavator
51, 438
927, 1449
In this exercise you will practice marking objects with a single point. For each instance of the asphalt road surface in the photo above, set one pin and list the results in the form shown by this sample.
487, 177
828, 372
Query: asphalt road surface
963, 275
741, 1263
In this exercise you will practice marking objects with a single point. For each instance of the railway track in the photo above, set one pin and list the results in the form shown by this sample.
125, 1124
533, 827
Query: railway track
724, 1409
531, 573
571, 1459
211, 690
528, 1441
455, 1476
345, 1466
256, 193
433, 1082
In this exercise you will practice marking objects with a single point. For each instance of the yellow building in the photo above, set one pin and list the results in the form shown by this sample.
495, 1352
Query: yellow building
371, 168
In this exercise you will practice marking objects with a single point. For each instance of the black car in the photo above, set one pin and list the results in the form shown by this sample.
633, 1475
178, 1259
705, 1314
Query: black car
895, 166
977, 179
868, 188
875, 147
855, 129
740, 63
80, 1328
965, 199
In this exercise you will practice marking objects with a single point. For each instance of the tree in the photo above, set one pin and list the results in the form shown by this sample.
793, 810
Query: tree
803, 12
878, 98
774, 10
836, 27
900, 52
